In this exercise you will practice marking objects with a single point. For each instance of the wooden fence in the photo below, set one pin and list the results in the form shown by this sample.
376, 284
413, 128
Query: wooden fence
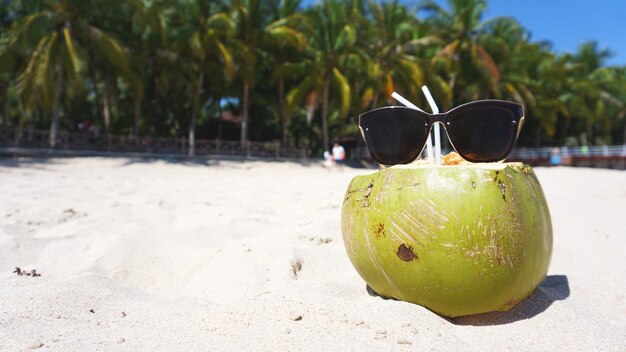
603, 156
611, 157
75, 141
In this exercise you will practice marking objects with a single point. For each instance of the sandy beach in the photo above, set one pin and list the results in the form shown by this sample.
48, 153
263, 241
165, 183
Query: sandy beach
158, 255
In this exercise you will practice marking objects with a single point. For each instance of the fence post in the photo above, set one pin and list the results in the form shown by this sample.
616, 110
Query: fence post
18, 133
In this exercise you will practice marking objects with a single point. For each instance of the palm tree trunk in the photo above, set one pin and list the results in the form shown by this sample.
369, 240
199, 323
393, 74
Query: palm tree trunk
538, 136
24, 114
564, 130
244, 114
451, 84
96, 96
219, 120
5, 106
137, 114
113, 95
374, 103
56, 109
325, 112
195, 108
106, 108
106, 111
5, 113
281, 111
153, 98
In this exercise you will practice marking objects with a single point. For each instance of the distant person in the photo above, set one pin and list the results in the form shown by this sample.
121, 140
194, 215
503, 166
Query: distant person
84, 126
339, 154
328, 160
555, 157
584, 150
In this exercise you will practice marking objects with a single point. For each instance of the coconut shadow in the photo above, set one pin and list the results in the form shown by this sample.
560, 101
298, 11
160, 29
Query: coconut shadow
553, 288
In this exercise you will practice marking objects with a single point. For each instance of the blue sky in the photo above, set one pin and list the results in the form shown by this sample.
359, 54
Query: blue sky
566, 24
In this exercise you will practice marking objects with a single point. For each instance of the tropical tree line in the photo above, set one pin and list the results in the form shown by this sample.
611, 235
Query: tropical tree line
279, 70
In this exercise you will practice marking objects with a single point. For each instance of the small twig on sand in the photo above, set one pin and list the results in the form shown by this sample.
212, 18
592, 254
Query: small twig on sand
21, 272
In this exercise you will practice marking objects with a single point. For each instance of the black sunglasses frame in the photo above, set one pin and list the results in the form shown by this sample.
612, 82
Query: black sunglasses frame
516, 109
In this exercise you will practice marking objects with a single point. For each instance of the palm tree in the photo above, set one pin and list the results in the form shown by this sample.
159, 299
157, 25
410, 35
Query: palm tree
615, 83
205, 34
250, 17
395, 44
331, 42
545, 92
472, 72
10, 59
524, 70
170, 61
107, 58
590, 87
508, 44
59, 35
286, 41
620, 91
153, 60
7, 64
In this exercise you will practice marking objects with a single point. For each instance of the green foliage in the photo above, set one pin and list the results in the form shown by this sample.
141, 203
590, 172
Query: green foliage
162, 67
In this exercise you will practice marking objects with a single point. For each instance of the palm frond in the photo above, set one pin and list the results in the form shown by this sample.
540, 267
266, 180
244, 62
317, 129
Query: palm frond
70, 49
344, 92
227, 60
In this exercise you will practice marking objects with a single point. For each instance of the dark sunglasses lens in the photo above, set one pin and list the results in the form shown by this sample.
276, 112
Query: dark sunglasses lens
394, 135
483, 134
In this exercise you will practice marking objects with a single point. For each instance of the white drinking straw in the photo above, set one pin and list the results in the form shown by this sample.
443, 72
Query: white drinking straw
435, 110
403, 101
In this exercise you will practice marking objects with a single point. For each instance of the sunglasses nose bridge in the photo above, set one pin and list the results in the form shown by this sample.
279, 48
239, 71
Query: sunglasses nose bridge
442, 120
438, 118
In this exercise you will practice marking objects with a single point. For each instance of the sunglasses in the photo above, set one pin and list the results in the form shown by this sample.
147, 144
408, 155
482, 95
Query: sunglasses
480, 131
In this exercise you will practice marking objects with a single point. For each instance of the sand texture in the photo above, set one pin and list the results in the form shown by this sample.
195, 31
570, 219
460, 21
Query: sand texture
158, 255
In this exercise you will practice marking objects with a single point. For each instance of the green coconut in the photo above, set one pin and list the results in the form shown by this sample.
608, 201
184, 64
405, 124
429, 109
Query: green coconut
458, 240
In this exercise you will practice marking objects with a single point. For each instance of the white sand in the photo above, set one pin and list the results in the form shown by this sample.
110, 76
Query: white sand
202, 257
